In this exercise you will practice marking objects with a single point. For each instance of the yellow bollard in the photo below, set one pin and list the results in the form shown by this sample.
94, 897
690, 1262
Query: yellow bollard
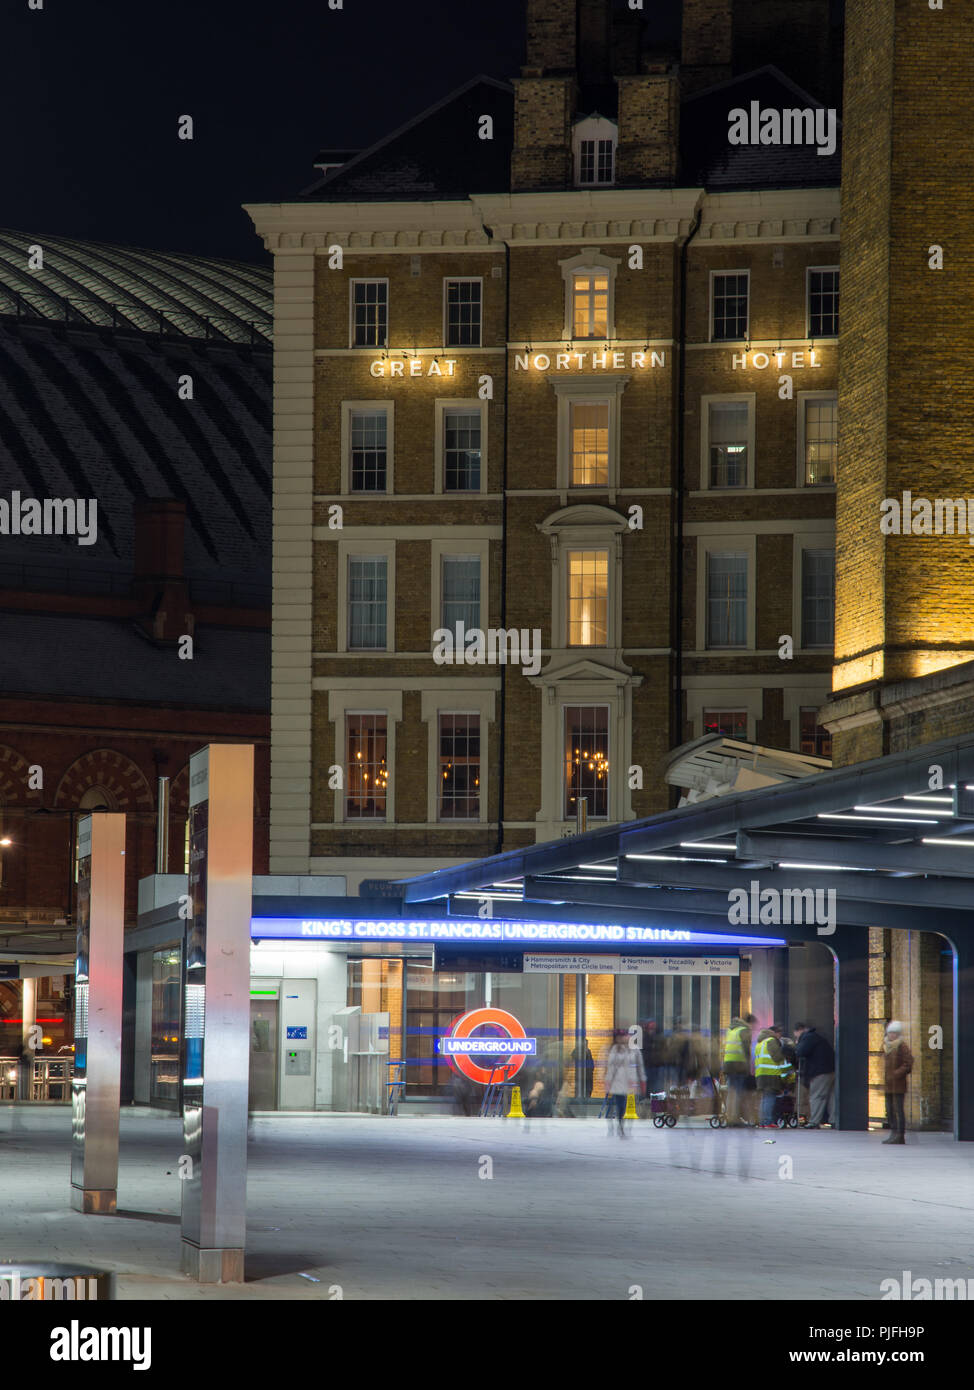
515, 1112
631, 1108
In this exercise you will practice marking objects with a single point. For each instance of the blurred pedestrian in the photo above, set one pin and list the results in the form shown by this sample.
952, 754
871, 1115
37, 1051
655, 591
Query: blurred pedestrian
816, 1063
625, 1075
899, 1063
737, 1067
772, 1072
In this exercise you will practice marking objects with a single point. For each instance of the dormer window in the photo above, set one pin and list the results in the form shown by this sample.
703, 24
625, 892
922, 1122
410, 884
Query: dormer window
594, 145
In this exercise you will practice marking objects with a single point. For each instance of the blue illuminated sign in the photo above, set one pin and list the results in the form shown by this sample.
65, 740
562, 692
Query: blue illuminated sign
399, 929
478, 1047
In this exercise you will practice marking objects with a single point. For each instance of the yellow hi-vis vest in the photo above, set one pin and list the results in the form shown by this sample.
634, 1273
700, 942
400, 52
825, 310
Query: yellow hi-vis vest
763, 1063
734, 1046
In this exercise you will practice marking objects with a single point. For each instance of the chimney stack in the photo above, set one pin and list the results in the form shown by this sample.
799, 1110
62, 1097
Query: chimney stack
707, 43
545, 99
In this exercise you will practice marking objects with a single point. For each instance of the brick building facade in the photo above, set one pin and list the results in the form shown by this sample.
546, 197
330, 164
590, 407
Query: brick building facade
585, 390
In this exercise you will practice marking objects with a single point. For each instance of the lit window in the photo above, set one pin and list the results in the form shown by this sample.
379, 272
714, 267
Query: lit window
732, 723
590, 443
821, 439
459, 767
813, 738
588, 598
727, 435
818, 597
370, 313
587, 759
726, 600
367, 600
823, 303
463, 313
461, 591
730, 305
461, 451
368, 431
366, 777
590, 304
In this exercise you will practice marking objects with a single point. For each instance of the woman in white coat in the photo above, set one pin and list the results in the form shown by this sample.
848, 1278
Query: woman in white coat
625, 1075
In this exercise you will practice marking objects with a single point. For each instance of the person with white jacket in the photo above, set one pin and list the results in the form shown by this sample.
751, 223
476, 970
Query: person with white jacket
624, 1074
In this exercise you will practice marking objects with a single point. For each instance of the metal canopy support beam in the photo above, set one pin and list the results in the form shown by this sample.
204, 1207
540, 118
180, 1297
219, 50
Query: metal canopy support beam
863, 854
963, 944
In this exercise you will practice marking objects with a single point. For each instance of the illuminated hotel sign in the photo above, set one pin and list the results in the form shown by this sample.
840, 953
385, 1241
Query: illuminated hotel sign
780, 360
476, 929
506, 1055
586, 361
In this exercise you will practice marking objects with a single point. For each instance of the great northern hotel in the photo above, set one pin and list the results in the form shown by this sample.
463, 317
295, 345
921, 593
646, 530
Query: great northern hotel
577, 377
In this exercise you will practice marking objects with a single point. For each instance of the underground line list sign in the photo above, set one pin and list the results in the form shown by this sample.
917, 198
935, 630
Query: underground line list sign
505, 1048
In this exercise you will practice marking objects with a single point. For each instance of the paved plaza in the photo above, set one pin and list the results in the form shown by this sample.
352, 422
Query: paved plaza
385, 1208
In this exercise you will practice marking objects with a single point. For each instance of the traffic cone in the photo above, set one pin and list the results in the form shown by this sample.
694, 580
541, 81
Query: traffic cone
515, 1112
631, 1108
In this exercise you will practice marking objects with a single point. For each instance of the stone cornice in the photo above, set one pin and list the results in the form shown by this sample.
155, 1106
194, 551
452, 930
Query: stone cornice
519, 219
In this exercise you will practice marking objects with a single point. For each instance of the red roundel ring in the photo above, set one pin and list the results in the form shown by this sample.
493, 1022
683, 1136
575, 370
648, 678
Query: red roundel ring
466, 1024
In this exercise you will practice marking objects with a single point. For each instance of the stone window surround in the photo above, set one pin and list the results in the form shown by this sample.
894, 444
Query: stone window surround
585, 527
590, 258
473, 405
577, 390
349, 545
346, 446
458, 697
802, 398
736, 543
748, 398
379, 700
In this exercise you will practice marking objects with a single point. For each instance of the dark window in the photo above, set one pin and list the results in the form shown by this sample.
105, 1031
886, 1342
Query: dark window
727, 431
463, 313
818, 597
730, 306
461, 451
813, 739
367, 600
369, 433
461, 591
370, 313
726, 600
595, 161
823, 303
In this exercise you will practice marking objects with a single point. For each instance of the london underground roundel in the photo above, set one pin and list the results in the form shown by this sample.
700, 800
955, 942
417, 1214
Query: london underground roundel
504, 1054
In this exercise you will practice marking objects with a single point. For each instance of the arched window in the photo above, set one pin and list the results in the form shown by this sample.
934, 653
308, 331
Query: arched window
594, 142
96, 799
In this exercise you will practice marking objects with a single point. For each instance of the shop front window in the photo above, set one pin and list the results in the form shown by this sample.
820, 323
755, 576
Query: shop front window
164, 1077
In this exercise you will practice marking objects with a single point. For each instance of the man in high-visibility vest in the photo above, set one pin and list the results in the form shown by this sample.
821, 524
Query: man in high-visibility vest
771, 1070
737, 1066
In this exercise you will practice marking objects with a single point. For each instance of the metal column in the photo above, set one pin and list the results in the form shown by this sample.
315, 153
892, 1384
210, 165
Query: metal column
216, 1033
963, 1038
98, 1013
850, 946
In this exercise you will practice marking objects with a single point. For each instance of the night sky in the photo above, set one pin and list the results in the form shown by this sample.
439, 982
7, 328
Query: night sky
93, 89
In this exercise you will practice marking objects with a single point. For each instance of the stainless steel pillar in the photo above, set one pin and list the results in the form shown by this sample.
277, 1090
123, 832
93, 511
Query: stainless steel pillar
216, 1033
98, 1013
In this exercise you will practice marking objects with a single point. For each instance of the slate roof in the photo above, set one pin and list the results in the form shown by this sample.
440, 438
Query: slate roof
97, 658
90, 410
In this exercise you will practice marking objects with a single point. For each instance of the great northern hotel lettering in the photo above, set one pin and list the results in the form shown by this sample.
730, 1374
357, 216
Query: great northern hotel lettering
588, 362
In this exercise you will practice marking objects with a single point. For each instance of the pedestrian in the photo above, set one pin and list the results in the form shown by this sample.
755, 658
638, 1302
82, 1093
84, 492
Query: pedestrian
816, 1063
772, 1072
899, 1063
653, 1056
737, 1066
625, 1075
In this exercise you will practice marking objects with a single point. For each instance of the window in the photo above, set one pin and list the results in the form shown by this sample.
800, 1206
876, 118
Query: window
587, 759
459, 790
728, 430
367, 600
813, 738
726, 600
590, 304
593, 147
368, 433
461, 450
370, 313
589, 466
588, 598
461, 591
463, 312
595, 161
729, 290
818, 597
732, 723
823, 303
819, 437
366, 775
